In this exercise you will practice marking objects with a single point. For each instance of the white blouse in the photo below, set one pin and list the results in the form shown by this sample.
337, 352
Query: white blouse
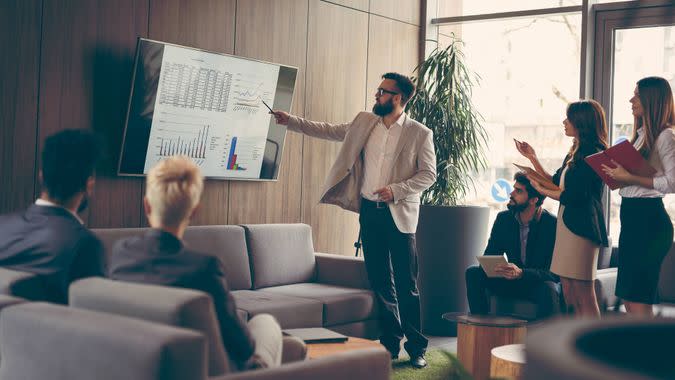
664, 179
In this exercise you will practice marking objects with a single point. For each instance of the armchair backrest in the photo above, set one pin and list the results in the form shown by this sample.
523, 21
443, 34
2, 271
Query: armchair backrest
48, 341
172, 306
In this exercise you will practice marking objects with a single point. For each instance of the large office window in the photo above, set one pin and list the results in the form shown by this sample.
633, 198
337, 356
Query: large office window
529, 70
529, 64
631, 43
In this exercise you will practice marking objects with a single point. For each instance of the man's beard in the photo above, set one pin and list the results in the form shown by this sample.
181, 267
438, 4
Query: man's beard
83, 204
383, 109
515, 207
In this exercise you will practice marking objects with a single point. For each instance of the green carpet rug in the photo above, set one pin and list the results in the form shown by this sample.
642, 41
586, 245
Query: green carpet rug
441, 365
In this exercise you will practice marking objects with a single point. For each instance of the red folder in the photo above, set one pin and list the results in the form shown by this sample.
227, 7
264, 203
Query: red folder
625, 155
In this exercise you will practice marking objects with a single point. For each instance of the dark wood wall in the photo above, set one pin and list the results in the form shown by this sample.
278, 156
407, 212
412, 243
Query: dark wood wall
68, 63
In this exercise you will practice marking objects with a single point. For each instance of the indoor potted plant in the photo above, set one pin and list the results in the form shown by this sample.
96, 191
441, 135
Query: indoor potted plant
448, 236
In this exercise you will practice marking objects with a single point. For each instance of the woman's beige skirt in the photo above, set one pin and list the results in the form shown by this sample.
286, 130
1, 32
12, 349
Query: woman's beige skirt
573, 256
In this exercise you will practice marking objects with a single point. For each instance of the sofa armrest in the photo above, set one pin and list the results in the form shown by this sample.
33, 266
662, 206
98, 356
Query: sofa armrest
22, 284
341, 270
366, 364
605, 284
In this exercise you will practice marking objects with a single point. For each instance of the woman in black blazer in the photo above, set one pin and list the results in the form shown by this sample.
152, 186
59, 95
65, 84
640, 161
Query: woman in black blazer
581, 230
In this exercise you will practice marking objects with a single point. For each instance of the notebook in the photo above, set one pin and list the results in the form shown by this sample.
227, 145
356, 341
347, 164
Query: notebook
316, 335
625, 155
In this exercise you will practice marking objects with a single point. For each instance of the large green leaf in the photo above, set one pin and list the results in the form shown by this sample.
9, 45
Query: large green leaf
443, 103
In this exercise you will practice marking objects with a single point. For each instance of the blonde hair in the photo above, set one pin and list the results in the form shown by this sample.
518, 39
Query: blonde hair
173, 189
656, 98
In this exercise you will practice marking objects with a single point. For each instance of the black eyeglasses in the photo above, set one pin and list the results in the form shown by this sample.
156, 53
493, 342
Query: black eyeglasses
381, 91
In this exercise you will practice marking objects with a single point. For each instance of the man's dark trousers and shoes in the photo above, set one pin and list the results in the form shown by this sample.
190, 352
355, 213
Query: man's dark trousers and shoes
391, 262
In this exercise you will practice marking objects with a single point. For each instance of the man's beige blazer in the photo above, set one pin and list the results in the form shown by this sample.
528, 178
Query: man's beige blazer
413, 171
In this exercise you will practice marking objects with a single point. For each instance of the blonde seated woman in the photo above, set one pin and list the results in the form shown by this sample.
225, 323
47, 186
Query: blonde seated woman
173, 190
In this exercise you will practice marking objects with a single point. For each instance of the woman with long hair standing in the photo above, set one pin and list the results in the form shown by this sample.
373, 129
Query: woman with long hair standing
646, 230
581, 227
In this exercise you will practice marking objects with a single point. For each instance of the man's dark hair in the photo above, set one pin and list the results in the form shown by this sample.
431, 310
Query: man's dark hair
68, 160
522, 179
404, 84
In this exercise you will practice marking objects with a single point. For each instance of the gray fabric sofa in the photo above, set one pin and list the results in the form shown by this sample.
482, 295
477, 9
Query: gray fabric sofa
273, 269
47, 341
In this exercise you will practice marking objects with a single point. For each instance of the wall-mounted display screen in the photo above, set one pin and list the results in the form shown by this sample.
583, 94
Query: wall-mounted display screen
208, 106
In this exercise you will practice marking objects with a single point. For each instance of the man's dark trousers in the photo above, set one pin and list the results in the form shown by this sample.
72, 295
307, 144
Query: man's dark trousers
392, 255
546, 294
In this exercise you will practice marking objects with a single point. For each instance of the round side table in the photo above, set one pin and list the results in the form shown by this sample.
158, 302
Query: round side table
477, 335
507, 361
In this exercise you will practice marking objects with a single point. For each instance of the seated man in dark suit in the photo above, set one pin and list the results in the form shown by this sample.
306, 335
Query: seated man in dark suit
48, 238
526, 233
173, 189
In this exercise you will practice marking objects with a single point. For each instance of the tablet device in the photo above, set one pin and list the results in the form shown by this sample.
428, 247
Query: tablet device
489, 262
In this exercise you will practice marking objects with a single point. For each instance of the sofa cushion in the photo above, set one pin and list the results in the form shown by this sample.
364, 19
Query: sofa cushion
340, 304
228, 243
291, 312
280, 254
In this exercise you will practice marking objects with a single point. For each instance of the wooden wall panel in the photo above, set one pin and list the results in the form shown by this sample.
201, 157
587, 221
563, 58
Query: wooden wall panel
276, 32
356, 4
402, 10
205, 24
19, 63
393, 46
85, 78
336, 74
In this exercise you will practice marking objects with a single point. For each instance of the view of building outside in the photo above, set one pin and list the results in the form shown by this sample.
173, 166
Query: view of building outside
529, 70
529, 73
637, 53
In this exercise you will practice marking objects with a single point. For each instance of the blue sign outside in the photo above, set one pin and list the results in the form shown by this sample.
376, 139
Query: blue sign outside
501, 190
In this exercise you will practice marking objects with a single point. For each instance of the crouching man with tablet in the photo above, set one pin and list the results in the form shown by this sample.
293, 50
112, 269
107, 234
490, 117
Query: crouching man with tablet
520, 250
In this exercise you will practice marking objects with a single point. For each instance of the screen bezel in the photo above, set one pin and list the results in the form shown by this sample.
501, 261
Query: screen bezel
282, 129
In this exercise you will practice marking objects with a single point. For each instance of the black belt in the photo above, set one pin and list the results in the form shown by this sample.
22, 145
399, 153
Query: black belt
374, 204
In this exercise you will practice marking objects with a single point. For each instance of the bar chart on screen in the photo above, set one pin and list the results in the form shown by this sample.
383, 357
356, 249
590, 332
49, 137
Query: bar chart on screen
243, 153
182, 138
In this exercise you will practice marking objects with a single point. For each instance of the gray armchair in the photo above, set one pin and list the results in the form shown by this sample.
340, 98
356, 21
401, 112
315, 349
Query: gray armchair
47, 341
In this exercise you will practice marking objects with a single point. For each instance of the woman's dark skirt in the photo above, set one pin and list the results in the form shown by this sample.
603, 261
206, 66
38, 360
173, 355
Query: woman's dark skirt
645, 240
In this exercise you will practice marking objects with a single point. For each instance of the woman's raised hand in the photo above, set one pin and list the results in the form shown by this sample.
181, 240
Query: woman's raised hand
525, 149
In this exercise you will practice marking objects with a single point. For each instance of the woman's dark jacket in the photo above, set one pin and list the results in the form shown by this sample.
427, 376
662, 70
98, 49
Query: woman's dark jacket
582, 198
